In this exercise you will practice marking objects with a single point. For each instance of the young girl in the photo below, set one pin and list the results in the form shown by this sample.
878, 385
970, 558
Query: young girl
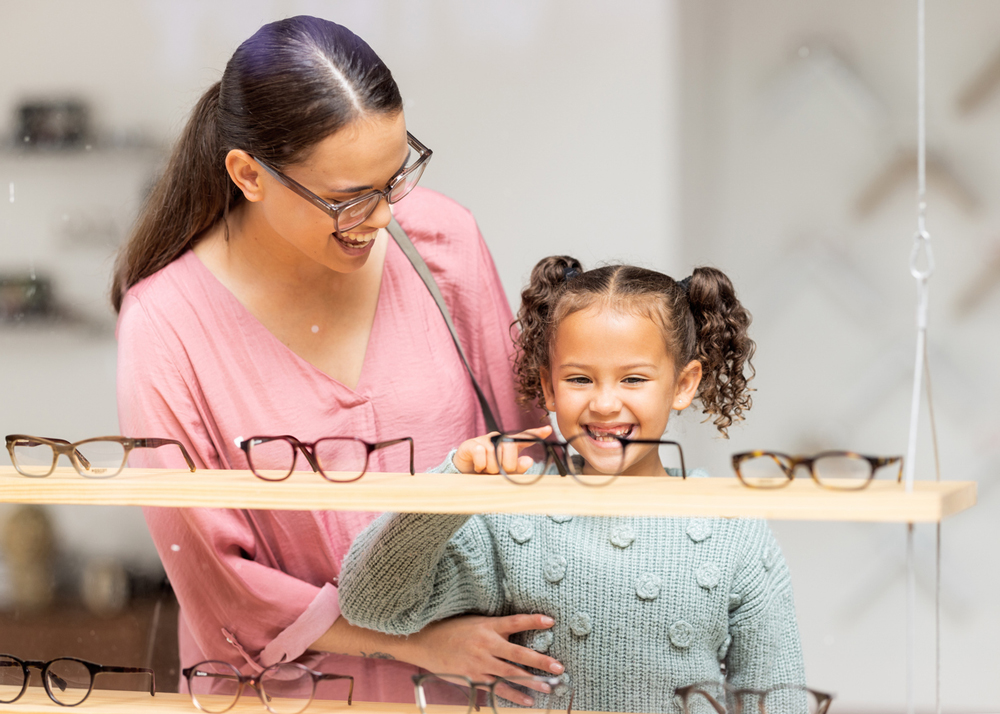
640, 605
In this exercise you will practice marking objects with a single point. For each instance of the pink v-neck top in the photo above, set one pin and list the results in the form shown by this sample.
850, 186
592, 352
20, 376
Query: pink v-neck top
258, 587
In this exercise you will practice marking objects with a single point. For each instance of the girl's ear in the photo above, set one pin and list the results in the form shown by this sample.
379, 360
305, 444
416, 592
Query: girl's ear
243, 171
550, 394
687, 385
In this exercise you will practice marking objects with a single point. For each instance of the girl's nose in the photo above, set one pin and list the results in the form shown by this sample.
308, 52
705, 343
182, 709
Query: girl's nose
606, 401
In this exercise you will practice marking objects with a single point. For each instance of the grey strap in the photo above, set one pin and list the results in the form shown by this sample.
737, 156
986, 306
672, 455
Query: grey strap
410, 251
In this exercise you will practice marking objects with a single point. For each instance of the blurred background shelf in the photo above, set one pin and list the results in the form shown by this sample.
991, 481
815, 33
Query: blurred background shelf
882, 501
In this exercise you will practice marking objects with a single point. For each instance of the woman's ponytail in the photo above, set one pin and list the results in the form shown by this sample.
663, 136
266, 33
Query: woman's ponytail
534, 318
192, 194
722, 345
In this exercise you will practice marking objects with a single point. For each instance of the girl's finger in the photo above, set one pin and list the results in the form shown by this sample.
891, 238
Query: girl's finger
524, 463
509, 453
479, 458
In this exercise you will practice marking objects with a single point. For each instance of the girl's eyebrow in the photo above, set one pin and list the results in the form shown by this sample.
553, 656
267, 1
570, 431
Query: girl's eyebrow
626, 367
356, 189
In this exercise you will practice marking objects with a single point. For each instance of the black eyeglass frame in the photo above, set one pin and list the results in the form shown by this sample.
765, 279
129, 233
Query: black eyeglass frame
92, 667
79, 461
335, 209
255, 682
489, 687
561, 461
788, 464
308, 450
823, 699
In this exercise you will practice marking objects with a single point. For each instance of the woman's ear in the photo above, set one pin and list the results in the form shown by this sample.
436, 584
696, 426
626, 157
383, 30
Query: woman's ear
686, 387
550, 394
242, 170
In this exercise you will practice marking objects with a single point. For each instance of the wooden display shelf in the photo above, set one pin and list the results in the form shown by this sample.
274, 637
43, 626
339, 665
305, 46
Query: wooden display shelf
882, 501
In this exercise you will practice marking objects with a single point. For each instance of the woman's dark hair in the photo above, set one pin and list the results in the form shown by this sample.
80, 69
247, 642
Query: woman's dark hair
292, 84
700, 316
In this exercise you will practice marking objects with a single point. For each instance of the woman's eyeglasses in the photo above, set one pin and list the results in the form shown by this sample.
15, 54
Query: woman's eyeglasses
100, 457
353, 212
720, 698
840, 470
68, 681
335, 458
446, 693
616, 455
283, 688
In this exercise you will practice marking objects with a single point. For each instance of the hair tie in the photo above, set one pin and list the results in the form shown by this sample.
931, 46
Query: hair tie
684, 284
570, 272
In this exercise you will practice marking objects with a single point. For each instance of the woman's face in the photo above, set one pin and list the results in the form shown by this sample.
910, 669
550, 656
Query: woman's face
610, 375
363, 155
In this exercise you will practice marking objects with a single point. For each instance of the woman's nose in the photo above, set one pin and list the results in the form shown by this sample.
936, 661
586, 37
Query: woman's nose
381, 216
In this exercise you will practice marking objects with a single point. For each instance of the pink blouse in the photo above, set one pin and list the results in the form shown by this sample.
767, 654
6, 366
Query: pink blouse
258, 587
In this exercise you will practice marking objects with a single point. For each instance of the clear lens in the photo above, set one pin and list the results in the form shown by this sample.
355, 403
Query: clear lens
509, 448
354, 215
271, 459
11, 679
100, 459
214, 686
766, 471
33, 458
443, 694
547, 696
406, 183
706, 700
842, 471
341, 458
597, 462
68, 681
287, 688
788, 699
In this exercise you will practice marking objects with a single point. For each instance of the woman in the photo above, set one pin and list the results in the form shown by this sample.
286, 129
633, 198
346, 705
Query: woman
246, 309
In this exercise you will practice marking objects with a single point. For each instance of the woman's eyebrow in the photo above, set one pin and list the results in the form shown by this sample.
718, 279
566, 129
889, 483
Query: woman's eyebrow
356, 189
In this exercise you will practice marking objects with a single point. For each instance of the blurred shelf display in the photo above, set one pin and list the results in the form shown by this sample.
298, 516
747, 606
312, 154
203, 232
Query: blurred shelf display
881, 501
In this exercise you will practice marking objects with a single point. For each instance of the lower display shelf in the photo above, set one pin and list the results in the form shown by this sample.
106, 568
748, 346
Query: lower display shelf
881, 501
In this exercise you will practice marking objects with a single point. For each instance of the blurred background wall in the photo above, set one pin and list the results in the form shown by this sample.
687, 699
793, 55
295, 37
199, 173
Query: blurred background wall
770, 138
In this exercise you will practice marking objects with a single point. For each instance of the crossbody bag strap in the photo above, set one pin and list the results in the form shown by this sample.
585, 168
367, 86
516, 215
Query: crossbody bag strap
410, 251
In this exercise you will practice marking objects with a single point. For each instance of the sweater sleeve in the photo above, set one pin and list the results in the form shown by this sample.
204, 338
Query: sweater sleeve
407, 570
238, 606
765, 649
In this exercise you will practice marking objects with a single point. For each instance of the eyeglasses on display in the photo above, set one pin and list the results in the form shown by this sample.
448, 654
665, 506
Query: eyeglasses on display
720, 698
68, 681
840, 470
352, 213
616, 456
335, 458
446, 693
100, 457
283, 688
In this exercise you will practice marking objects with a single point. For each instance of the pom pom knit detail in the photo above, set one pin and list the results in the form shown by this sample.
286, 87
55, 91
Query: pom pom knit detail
708, 575
622, 537
699, 530
560, 518
581, 624
554, 569
540, 640
648, 586
681, 634
521, 531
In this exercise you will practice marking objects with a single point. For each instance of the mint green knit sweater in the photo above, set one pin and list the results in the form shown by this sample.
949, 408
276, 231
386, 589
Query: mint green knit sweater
642, 605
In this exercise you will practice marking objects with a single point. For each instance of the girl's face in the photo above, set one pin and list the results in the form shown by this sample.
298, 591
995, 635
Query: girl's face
610, 375
363, 155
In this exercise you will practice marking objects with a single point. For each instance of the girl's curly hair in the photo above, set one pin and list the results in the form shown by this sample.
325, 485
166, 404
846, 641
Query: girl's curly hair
700, 316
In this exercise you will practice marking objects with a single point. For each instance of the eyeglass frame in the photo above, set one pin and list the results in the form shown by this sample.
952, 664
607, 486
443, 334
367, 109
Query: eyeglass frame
92, 667
80, 463
254, 681
489, 687
874, 462
335, 209
560, 463
308, 449
823, 698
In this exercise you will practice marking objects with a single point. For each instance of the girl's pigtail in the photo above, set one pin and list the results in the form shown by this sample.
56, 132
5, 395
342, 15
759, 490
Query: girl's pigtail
724, 347
192, 194
548, 279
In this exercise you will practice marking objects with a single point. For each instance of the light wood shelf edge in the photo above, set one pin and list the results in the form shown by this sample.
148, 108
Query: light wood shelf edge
882, 501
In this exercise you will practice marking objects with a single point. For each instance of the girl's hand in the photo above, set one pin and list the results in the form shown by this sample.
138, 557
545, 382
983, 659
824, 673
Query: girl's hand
477, 456
478, 647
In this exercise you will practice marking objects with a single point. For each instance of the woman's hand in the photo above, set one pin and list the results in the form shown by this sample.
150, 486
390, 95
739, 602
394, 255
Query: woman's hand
477, 456
478, 647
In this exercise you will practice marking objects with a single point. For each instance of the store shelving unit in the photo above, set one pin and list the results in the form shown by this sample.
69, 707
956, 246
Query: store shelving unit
882, 501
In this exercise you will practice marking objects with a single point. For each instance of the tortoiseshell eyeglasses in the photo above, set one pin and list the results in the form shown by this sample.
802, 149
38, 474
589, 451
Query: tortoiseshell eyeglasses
68, 680
100, 457
335, 458
840, 470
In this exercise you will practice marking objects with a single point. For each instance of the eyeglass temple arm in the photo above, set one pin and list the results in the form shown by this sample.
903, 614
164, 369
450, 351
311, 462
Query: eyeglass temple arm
157, 443
393, 442
133, 670
350, 691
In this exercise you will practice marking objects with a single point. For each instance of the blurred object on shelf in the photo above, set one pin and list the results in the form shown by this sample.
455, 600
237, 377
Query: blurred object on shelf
983, 86
104, 586
53, 124
25, 295
29, 551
